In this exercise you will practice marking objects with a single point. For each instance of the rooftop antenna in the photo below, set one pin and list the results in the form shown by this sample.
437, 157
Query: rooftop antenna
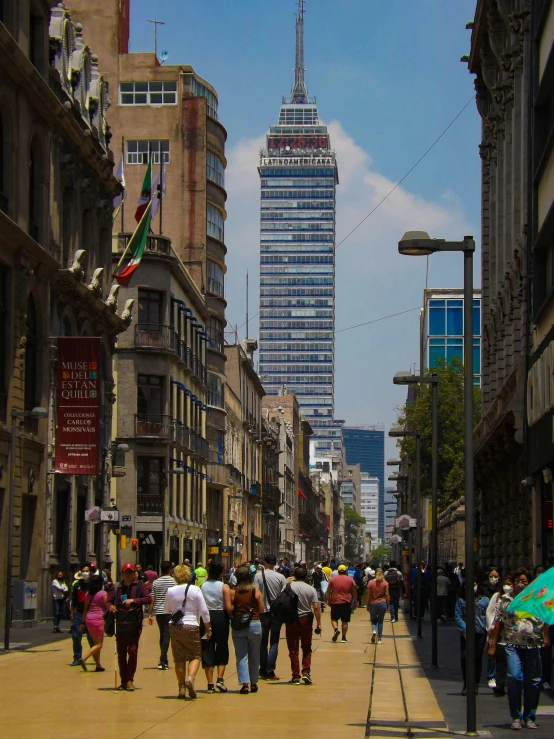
247, 304
299, 91
156, 24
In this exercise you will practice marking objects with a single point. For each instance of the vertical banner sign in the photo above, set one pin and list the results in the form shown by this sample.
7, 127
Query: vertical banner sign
78, 395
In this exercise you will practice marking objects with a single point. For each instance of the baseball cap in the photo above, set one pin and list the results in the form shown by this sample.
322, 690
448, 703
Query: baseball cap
342, 568
271, 559
318, 567
128, 567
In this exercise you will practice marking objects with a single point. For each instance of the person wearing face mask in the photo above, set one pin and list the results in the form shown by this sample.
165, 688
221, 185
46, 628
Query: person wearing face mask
491, 588
523, 638
78, 596
497, 651
481, 603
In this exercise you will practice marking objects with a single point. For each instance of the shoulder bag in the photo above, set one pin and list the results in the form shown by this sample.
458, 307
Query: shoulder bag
242, 621
178, 615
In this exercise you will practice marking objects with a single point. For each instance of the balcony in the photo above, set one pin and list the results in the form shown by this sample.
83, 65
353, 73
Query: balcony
154, 336
148, 425
199, 445
154, 244
217, 471
214, 287
150, 505
181, 434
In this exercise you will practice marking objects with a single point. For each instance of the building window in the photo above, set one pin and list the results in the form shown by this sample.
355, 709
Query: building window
3, 168
150, 399
214, 328
32, 395
149, 486
150, 307
214, 223
198, 90
34, 192
215, 170
139, 152
215, 279
160, 92
215, 391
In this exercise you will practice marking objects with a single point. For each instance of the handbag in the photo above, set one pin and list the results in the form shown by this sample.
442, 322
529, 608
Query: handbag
242, 621
130, 619
178, 615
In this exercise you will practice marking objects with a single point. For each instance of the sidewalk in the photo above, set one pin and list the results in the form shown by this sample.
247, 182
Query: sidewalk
446, 680
358, 688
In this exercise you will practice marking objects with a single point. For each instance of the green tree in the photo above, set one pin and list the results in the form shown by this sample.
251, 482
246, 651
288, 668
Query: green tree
381, 555
353, 532
450, 463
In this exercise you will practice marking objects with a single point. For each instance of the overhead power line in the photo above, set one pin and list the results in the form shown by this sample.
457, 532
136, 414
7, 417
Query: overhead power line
376, 320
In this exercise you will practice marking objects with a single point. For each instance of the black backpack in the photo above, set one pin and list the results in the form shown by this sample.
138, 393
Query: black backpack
285, 606
392, 577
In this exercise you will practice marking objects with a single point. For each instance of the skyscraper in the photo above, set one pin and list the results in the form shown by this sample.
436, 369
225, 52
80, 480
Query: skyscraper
365, 445
299, 175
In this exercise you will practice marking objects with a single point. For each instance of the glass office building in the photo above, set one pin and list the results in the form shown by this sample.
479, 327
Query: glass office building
365, 445
442, 328
299, 175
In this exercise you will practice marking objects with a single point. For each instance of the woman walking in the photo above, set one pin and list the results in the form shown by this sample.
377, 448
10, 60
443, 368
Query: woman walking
378, 603
481, 603
496, 648
523, 637
93, 620
60, 593
215, 651
186, 604
243, 605
491, 590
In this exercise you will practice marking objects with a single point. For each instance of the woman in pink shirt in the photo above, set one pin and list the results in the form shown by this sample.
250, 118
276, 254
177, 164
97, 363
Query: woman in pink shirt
93, 620
378, 602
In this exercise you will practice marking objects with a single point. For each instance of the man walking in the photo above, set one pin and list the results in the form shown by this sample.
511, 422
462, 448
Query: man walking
396, 588
443, 584
157, 607
340, 593
271, 584
78, 595
299, 633
126, 600
201, 575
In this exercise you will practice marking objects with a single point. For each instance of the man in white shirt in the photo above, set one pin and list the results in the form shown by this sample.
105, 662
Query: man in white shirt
271, 584
157, 607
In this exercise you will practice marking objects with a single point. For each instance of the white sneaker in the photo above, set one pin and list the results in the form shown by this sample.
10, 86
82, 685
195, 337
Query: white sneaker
516, 724
380, 641
546, 686
492, 683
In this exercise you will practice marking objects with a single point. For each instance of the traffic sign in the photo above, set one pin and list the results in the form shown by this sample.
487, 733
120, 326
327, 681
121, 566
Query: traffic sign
403, 522
395, 539
111, 515
413, 523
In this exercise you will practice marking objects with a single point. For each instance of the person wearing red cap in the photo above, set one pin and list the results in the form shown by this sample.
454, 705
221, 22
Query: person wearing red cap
126, 600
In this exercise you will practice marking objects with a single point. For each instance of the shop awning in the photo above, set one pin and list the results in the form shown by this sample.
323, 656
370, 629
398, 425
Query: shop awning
256, 539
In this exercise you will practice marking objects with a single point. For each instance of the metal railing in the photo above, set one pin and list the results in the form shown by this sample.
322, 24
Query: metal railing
155, 244
199, 445
214, 287
150, 505
181, 434
154, 336
147, 424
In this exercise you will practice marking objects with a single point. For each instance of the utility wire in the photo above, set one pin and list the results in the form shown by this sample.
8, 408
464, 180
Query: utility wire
408, 173
376, 320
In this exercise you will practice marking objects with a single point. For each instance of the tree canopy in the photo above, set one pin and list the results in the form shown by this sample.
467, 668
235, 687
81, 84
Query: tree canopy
417, 414
353, 532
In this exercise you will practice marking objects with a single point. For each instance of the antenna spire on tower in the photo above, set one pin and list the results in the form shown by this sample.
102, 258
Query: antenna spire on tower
299, 91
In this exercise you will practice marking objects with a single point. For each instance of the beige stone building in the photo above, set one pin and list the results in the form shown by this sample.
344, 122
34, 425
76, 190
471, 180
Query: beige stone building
56, 189
169, 113
233, 538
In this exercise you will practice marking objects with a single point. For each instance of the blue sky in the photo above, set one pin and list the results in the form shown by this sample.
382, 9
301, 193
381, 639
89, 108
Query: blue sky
388, 80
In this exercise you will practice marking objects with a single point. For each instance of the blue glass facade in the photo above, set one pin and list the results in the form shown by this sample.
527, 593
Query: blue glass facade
298, 174
366, 446
443, 329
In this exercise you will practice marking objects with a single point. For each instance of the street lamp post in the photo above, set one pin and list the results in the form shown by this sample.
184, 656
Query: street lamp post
35, 413
419, 243
398, 432
406, 378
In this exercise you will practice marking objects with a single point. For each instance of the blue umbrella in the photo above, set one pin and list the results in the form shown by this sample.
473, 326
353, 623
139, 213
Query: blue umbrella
537, 599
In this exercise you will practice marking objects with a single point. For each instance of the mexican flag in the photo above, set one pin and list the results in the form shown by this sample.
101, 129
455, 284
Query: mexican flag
137, 244
145, 193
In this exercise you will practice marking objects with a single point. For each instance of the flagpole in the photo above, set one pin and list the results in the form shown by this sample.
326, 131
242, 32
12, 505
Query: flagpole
134, 232
123, 201
161, 189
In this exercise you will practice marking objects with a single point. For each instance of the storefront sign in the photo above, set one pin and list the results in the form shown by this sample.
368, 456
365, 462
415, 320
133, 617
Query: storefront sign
78, 395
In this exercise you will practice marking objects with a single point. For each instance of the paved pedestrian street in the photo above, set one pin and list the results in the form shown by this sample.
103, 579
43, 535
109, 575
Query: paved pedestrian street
359, 690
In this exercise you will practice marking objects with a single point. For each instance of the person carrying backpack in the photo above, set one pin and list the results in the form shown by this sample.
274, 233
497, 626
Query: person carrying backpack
299, 631
396, 589
271, 584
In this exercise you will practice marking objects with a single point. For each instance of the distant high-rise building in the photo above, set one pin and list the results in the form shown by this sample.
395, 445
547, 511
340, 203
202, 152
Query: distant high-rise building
442, 328
299, 175
370, 491
365, 445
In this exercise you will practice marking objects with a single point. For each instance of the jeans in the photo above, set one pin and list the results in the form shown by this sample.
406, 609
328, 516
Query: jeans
77, 635
442, 606
524, 676
163, 626
127, 654
377, 612
271, 631
480, 640
58, 611
300, 633
247, 651
501, 668
491, 668
394, 603
546, 657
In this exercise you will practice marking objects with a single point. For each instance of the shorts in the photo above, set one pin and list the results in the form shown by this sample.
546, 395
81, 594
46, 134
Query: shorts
341, 612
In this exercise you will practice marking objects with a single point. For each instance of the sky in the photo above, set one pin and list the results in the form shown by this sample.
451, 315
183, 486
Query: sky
388, 81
